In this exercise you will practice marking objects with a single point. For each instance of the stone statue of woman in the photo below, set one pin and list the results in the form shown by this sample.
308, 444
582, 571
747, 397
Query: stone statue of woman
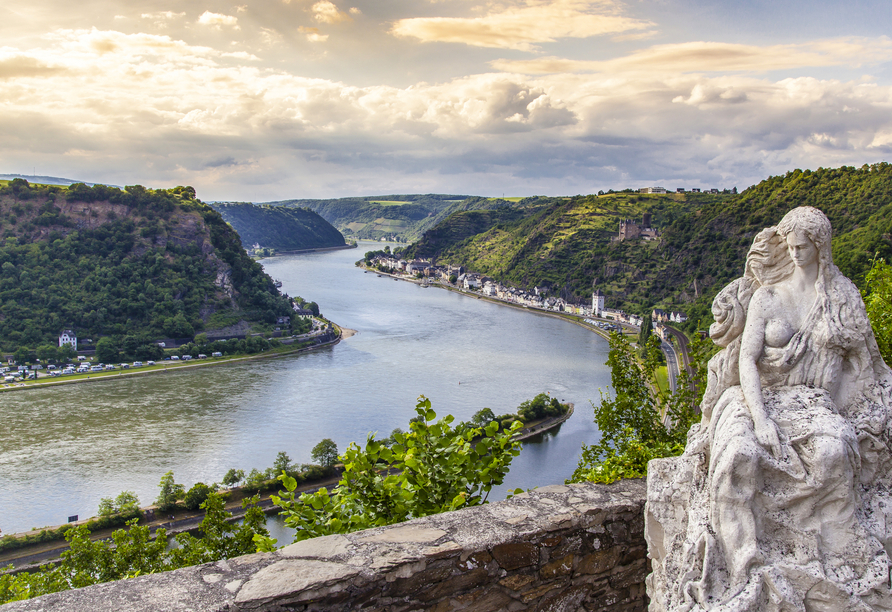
782, 497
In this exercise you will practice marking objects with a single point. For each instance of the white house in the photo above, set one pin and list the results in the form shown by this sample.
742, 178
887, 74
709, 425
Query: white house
472, 281
67, 337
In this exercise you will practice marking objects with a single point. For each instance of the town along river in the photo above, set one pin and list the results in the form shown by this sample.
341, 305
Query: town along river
62, 449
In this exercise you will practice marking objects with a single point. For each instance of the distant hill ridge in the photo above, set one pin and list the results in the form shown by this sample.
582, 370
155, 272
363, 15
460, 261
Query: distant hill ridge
279, 227
48, 180
569, 246
402, 217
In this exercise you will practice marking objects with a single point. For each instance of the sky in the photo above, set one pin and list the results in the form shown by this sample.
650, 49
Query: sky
277, 99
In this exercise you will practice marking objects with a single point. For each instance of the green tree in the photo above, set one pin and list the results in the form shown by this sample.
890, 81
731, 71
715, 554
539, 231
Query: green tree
107, 350
220, 538
877, 295
325, 453
256, 480
170, 493
282, 463
483, 417
23, 355
632, 421
66, 352
428, 470
196, 496
233, 477
125, 503
178, 327
47, 352
646, 330
540, 407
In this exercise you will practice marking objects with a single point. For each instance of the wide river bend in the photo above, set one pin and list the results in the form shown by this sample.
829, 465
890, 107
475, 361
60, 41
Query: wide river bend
64, 448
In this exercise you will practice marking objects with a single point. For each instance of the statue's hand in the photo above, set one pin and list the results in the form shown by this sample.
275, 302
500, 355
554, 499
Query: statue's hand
766, 432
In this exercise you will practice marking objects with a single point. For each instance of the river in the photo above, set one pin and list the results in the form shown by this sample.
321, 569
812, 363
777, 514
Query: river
62, 449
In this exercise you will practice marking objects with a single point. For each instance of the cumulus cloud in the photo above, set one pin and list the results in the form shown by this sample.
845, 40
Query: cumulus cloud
325, 11
162, 15
719, 57
217, 20
153, 109
312, 34
522, 25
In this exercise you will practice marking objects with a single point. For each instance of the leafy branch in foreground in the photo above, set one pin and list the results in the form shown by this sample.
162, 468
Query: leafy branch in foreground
432, 468
641, 422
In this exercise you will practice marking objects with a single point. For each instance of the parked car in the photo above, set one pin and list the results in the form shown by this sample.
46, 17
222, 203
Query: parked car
137, 364
96, 368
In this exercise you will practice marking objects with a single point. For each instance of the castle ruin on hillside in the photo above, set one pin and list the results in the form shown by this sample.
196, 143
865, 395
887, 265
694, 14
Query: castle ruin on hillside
629, 230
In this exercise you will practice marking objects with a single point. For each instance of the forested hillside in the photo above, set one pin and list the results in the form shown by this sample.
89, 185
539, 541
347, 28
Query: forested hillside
135, 262
280, 227
567, 244
403, 217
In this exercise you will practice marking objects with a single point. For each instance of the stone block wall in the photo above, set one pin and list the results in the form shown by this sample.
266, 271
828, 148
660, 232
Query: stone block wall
558, 548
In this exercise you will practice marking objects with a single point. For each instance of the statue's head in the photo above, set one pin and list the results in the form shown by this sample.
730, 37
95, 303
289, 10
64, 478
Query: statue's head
812, 223
769, 259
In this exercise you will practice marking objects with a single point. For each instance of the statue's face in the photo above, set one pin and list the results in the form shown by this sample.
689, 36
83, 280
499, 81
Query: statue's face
802, 250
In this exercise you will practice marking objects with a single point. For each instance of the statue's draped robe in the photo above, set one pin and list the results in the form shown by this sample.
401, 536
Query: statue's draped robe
731, 527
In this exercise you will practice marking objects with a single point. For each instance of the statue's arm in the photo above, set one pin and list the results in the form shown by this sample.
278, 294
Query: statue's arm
751, 345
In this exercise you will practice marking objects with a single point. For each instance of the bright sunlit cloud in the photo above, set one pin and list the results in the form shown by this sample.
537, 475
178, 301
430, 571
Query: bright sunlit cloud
326, 12
522, 26
313, 34
718, 57
217, 20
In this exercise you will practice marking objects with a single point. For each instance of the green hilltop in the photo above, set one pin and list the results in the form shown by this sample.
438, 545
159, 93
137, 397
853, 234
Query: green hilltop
279, 227
143, 262
402, 217
569, 244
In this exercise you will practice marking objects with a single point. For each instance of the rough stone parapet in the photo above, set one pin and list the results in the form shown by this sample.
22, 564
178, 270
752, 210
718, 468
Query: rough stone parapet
557, 548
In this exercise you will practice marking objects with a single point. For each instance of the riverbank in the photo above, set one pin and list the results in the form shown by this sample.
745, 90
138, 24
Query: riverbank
575, 319
303, 344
